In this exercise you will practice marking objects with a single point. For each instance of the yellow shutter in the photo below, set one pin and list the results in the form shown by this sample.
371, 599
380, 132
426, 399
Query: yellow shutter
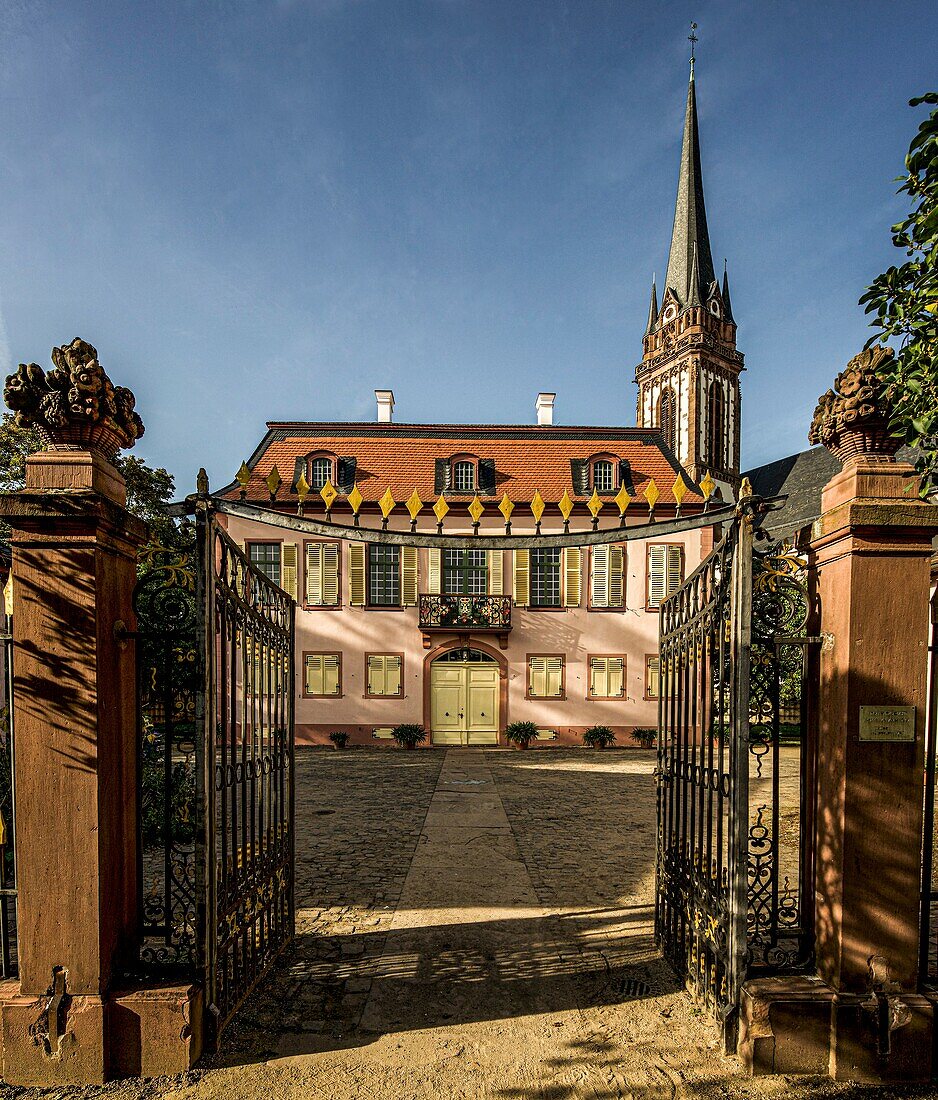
657, 564
572, 566
599, 580
537, 673
289, 568
522, 577
330, 573
554, 676
314, 573
616, 576
652, 677
496, 567
384, 674
434, 572
330, 674
313, 674
607, 677
409, 575
597, 674
356, 574
675, 576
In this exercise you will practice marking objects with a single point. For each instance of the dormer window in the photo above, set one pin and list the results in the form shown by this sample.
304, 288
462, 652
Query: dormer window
464, 476
320, 471
603, 476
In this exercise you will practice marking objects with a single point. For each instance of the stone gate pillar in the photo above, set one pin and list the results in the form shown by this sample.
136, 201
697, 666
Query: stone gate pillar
74, 545
861, 1016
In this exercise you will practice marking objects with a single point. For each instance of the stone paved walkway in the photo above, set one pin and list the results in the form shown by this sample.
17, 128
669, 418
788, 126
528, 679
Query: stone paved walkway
471, 924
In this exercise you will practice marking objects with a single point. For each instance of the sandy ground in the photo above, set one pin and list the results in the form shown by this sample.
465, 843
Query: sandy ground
497, 944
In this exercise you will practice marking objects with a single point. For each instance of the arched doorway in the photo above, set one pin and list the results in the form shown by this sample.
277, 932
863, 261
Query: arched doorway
464, 695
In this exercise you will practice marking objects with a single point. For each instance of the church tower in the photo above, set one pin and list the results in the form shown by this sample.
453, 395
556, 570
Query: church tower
688, 379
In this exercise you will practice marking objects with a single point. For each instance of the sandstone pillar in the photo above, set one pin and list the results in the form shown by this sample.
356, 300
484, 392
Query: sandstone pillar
74, 548
861, 1016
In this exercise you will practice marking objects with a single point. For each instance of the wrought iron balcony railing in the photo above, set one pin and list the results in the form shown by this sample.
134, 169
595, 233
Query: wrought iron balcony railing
476, 613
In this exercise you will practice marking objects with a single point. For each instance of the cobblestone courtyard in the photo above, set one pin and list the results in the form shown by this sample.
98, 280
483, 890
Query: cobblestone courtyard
471, 924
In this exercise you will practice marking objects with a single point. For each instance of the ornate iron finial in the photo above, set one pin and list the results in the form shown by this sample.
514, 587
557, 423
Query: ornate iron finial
853, 418
693, 39
75, 406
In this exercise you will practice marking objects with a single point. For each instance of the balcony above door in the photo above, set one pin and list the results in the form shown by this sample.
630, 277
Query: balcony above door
458, 614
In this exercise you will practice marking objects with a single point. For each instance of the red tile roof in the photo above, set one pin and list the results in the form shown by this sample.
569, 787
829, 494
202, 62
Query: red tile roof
402, 457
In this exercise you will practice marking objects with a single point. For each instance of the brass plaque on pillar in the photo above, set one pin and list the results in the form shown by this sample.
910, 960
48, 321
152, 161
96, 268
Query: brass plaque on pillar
887, 723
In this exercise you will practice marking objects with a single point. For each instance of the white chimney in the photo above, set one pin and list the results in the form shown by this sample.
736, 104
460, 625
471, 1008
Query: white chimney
545, 409
385, 406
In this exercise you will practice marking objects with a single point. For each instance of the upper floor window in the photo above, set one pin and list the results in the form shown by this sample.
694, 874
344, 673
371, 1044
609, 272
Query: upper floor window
604, 480
384, 575
320, 471
464, 476
665, 572
465, 572
265, 556
667, 418
545, 578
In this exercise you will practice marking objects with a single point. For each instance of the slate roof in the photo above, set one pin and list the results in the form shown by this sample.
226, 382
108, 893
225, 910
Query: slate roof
402, 457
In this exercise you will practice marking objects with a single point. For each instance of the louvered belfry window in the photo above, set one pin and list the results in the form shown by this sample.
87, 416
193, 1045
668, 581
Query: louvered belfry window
716, 425
667, 418
665, 572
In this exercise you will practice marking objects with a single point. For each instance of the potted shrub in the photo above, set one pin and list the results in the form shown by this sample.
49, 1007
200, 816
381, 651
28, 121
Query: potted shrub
339, 738
599, 737
520, 733
646, 737
408, 735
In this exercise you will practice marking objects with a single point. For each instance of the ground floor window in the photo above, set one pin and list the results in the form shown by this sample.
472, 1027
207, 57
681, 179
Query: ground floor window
546, 676
384, 674
652, 676
322, 674
607, 677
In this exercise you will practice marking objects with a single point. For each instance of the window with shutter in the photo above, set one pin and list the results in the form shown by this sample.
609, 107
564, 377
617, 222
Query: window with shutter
603, 476
572, 560
544, 569
409, 575
616, 577
434, 571
545, 676
323, 673
289, 570
356, 574
384, 575
652, 676
496, 568
522, 577
599, 578
665, 572
322, 574
320, 471
607, 677
384, 674
265, 556
464, 477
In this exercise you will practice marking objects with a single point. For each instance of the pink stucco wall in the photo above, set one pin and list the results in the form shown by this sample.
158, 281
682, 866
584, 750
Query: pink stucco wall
577, 633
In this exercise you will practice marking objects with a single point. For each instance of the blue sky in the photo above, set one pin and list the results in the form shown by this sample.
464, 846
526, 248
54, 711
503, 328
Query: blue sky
266, 210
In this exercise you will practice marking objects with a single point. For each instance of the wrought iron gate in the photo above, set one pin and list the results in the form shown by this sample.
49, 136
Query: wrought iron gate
215, 649
732, 853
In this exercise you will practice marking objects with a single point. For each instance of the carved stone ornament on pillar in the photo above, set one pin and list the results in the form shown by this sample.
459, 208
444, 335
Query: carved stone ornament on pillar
75, 406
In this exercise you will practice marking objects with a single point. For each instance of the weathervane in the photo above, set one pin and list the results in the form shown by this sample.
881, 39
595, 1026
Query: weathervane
692, 38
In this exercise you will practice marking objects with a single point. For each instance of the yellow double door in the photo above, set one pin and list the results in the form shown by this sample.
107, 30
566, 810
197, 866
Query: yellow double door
464, 704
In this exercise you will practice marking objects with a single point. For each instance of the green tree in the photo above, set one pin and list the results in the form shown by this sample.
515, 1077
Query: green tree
149, 490
904, 301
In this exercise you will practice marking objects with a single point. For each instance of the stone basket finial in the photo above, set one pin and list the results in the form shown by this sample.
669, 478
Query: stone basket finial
852, 419
74, 406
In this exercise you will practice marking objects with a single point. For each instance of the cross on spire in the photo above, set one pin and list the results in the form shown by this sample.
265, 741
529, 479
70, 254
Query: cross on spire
693, 39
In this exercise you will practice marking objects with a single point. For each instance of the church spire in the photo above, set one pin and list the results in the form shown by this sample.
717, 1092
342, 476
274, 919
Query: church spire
653, 307
727, 306
690, 217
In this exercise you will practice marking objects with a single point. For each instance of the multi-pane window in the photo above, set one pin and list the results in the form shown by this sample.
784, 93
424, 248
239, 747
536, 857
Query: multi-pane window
652, 676
545, 677
607, 677
322, 674
384, 674
465, 572
320, 471
545, 578
265, 556
384, 575
603, 476
464, 477
665, 572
